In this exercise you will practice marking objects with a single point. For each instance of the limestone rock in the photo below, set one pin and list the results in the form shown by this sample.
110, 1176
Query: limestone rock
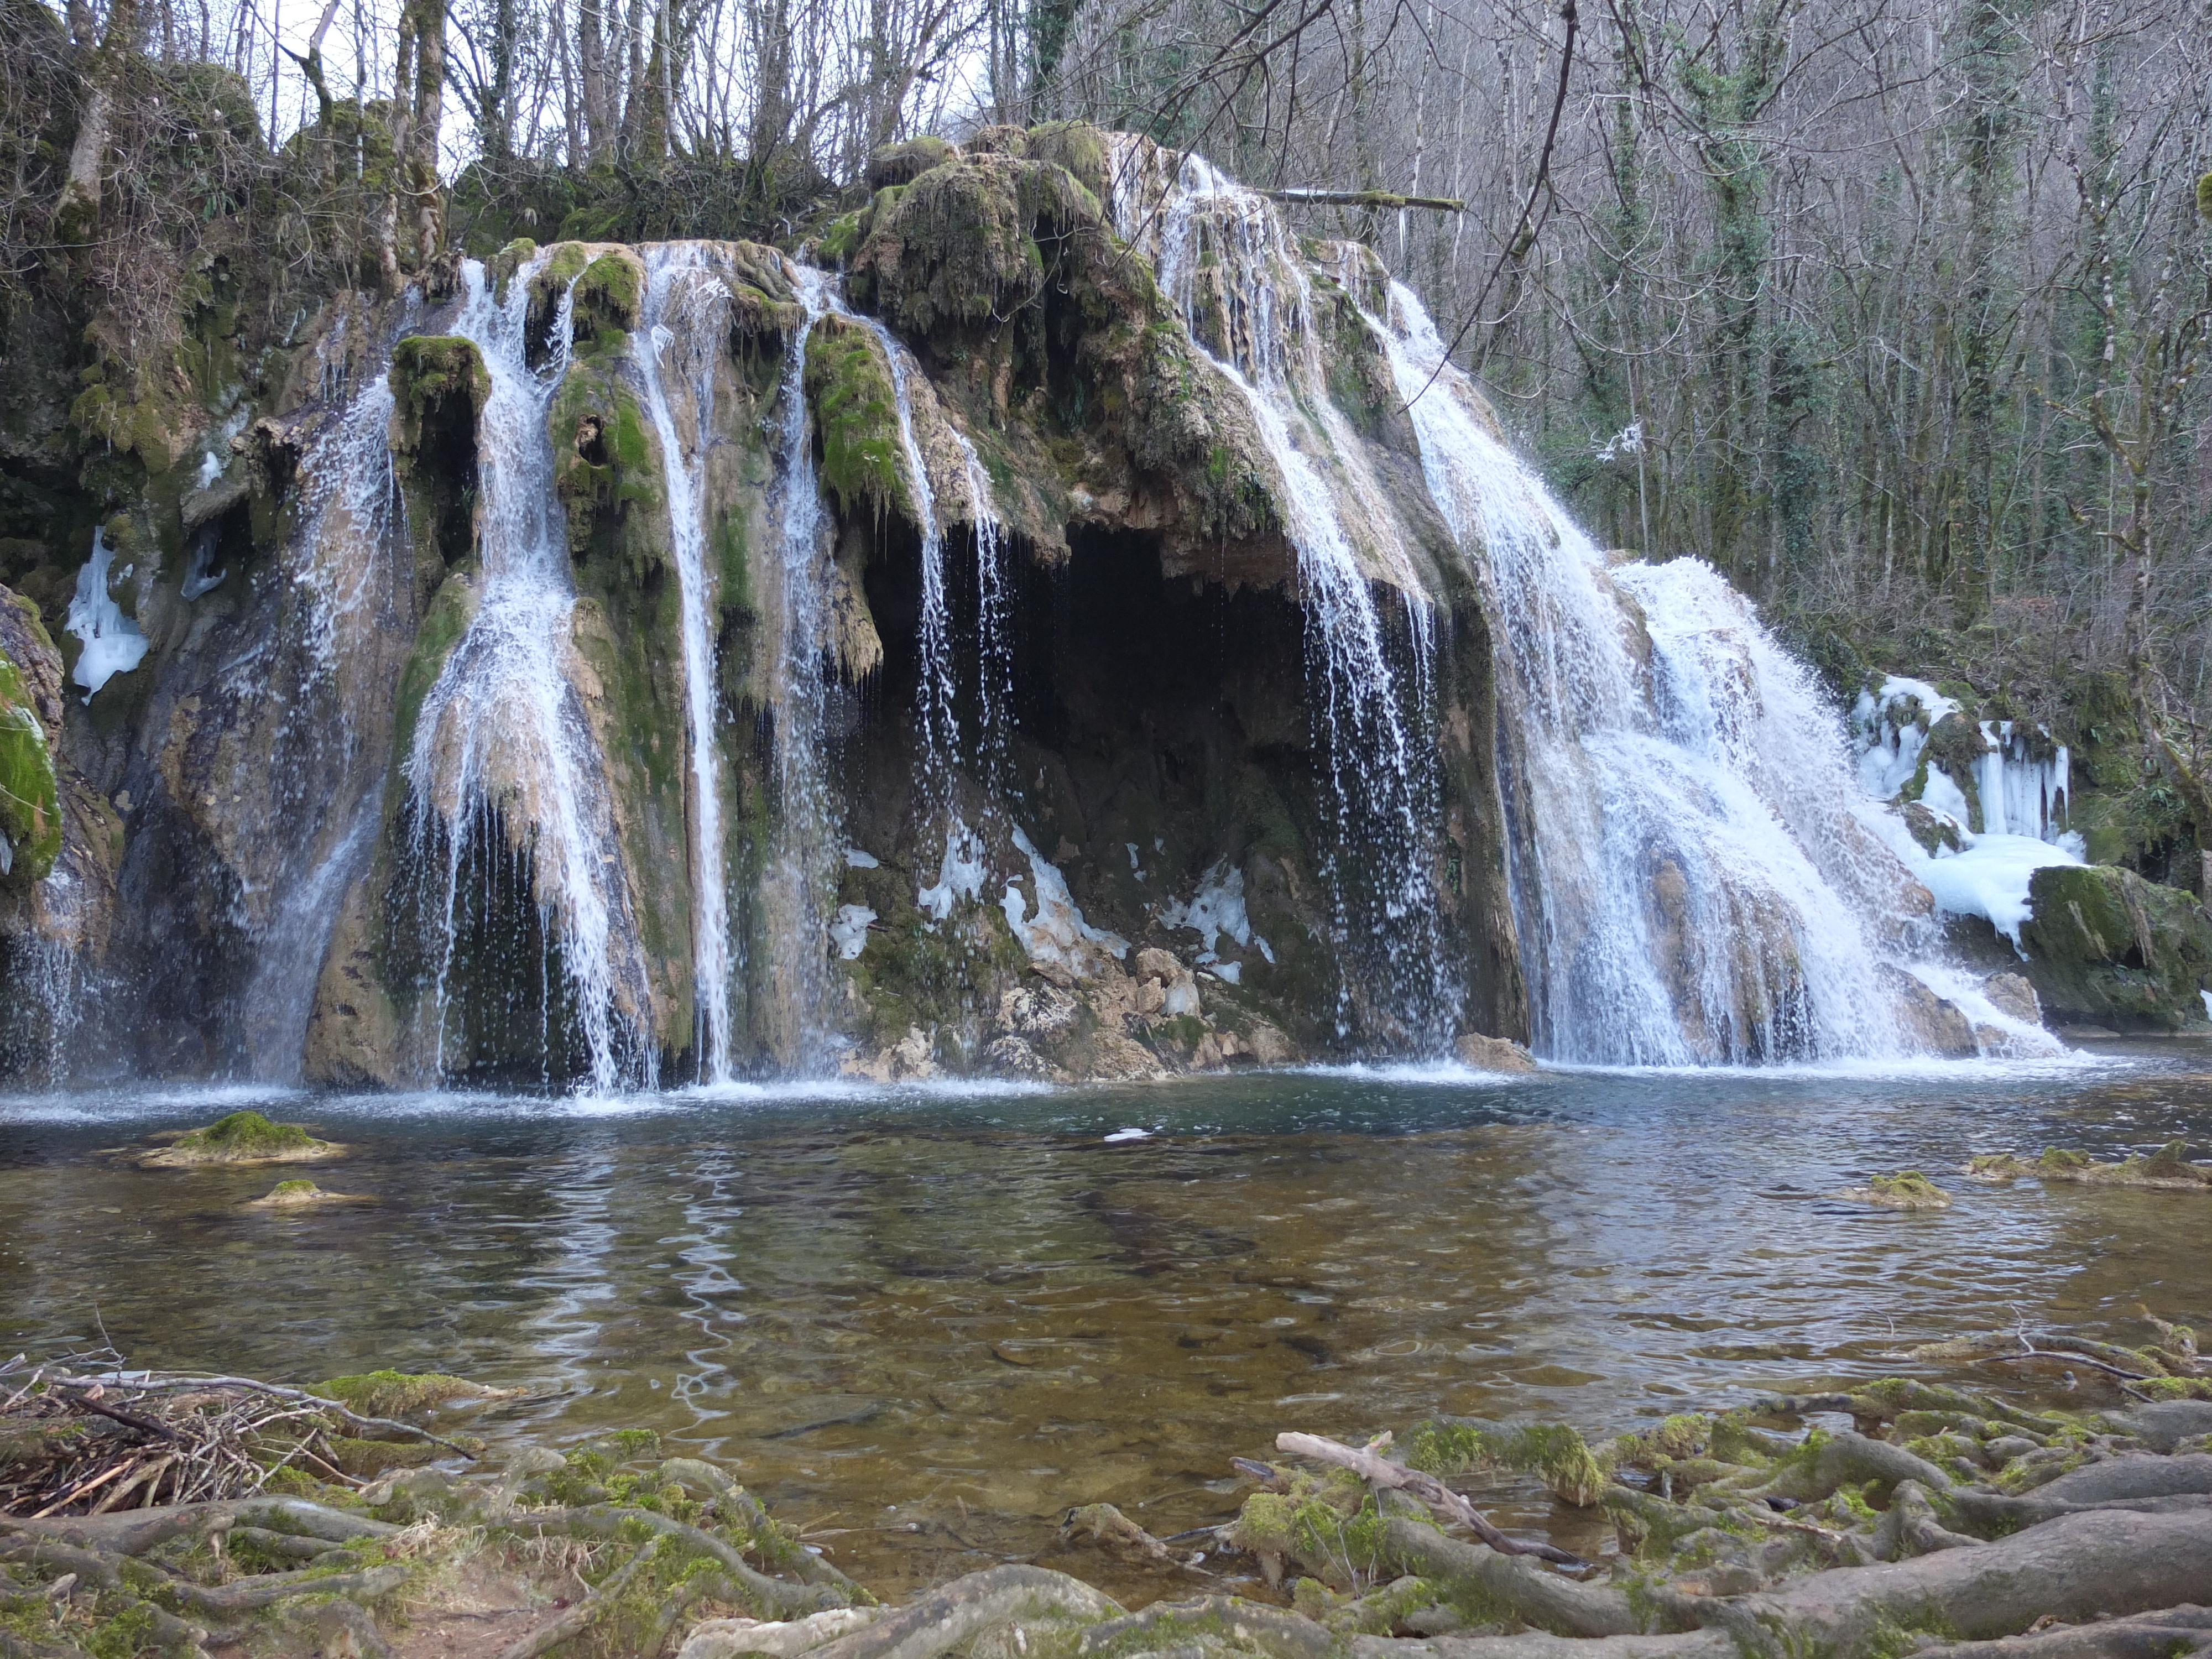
1489, 1054
912, 1059
2012, 995
2105, 947
1037, 1010
1929, 1023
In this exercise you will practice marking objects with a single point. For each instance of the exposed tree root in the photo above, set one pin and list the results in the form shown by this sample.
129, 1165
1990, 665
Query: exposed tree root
1944, 1521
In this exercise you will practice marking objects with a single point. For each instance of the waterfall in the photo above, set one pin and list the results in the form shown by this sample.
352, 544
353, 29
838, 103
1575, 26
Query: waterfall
339, 594
938, 694
1222, 256
686, 310
502, 733
802, 873
993, 615
1691, 878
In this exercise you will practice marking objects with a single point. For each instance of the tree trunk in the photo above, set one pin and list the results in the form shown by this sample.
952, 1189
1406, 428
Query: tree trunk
77, 217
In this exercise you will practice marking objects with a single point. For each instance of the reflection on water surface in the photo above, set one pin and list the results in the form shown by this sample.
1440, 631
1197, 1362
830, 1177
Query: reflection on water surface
931, 1320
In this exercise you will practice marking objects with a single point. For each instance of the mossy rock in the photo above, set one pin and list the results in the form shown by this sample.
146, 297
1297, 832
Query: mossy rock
855, 405
1907, 1189
608, 294
607, 473
438, 381
402, 1396
30, 798
904, 163
2105, 947
241, 1137
961, 244
303, 1195
563, 264
1078, 147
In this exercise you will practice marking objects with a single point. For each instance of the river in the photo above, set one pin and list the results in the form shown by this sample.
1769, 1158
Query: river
924, 1322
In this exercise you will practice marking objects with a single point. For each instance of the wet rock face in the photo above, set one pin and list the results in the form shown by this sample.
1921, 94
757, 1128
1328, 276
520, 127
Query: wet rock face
2107, 948
1153, 878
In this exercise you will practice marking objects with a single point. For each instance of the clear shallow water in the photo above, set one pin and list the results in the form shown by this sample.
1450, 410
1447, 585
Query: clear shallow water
930, 1321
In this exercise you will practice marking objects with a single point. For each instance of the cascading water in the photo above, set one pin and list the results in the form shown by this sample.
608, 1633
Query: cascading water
1221, 254
336, 566
1692, 883
502, 735
802, 872
937, 696
686, 315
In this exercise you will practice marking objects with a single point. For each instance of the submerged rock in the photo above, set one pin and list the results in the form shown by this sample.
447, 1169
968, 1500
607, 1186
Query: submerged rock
301, 1195
2168, 1169
1908, 1189
1489, 1054
242, 1138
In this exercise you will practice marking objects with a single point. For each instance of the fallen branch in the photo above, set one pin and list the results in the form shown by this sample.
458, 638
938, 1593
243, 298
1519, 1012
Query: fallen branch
1387, 201
1368, 1463
151, 1382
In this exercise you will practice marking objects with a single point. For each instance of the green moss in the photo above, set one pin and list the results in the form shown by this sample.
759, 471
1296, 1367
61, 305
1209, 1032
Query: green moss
244, 1135
1078, 147
842, 236
1554, 1453
448, 617
902, 163
30, 799
399, 1394
1909, 1184
125, 1636
608, 297
2108, 946
856, 412
437, 381
2174, 1388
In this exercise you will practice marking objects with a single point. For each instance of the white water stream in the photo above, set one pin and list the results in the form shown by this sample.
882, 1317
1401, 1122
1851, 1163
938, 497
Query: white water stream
504, 728
1222, 255
686, 321
1694, 882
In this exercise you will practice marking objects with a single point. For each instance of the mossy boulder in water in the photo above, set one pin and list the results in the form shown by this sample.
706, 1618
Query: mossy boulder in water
302, 1195
1907, 1189
404, 1396
2169, 1168
2105, 947
242, 1138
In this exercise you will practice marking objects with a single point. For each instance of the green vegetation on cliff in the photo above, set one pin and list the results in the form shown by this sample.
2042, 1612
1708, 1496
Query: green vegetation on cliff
30, 801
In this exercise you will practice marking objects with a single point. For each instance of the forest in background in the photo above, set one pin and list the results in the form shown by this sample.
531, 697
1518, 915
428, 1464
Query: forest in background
1895, 311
